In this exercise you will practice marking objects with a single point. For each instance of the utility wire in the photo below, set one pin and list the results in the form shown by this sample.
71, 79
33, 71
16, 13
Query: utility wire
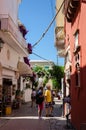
41, 57
52, 11
51, 4
49, 25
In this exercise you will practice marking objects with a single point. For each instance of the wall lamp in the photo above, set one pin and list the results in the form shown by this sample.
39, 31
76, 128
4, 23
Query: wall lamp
1, 44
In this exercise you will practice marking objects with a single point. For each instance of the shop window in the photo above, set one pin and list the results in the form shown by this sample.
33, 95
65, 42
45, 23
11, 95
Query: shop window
7, 91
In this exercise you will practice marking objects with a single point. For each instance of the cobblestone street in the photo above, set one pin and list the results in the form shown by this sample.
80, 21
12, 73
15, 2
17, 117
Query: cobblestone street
26, 112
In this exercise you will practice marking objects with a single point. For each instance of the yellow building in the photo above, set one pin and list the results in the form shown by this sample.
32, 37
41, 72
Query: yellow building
59, 29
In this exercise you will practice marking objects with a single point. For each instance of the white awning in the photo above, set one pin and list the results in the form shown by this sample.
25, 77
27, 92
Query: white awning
24, 69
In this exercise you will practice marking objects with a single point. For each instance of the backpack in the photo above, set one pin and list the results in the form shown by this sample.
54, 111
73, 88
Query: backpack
39, 97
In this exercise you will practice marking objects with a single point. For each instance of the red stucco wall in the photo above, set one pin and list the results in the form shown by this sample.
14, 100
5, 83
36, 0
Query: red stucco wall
78, 94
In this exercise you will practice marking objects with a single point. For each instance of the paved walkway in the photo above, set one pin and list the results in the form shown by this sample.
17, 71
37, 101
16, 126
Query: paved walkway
55, 123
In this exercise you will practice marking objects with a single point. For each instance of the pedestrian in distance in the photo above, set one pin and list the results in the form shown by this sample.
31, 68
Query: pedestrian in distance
40, 81
33, 97
67, 100
53, 102
39, 101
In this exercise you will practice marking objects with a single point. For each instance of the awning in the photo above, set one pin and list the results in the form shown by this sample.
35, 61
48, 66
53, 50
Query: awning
24, 69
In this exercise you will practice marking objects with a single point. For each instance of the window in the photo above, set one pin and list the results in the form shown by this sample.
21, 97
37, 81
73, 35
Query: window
76, 39
77, 74
77, 57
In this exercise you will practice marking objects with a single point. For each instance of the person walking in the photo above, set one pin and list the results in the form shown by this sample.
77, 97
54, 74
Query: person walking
39, 101
40, 81
33, 97
48, 100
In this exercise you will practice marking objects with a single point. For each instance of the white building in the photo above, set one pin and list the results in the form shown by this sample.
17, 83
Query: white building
12, 66
44, 63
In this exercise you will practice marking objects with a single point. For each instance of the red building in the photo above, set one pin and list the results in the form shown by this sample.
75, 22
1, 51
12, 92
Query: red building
75, 59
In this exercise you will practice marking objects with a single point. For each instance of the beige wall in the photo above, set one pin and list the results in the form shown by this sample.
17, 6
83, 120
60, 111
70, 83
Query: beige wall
9, 57
60, 16
9, 7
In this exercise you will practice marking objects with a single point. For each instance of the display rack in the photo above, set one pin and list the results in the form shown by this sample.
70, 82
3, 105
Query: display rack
6, 98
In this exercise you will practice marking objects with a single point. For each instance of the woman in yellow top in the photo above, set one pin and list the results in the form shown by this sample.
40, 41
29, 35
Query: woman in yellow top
48, 100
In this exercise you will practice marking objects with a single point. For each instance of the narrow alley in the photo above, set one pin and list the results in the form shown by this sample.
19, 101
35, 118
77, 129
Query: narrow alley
26, 118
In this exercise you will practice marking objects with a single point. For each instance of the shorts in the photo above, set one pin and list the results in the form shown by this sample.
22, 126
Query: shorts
40, 106
49, 104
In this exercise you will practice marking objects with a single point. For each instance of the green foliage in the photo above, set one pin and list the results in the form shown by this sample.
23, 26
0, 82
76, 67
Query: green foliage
39, 70
18, 92
35, 84
57, 73
42, 71
45, 80
56, 85
27, 85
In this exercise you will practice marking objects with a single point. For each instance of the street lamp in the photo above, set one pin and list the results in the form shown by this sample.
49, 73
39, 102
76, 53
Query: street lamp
1, 44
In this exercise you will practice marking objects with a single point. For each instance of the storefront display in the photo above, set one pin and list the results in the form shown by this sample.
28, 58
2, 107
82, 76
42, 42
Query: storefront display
6, 96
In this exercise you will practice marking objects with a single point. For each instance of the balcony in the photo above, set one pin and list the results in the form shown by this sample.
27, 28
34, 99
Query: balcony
61, 52
71, 9
59, 33
10, 33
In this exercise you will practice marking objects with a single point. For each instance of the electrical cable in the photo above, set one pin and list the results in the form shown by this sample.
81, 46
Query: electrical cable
49, 25
51, 4
52, 9
41, 57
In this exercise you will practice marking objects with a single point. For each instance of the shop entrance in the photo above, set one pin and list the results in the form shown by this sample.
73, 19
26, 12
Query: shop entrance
6, 95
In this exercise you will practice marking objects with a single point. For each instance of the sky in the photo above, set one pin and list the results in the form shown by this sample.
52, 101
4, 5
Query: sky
36, 15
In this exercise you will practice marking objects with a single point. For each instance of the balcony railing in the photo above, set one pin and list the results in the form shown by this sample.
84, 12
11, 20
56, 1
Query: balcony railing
8, 25
61, 52
70, 9
66, 3
59, 33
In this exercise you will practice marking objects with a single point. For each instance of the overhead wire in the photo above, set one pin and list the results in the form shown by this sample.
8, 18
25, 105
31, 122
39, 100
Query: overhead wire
52, 9
40, 56
51, 5
49, 25
49, 61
